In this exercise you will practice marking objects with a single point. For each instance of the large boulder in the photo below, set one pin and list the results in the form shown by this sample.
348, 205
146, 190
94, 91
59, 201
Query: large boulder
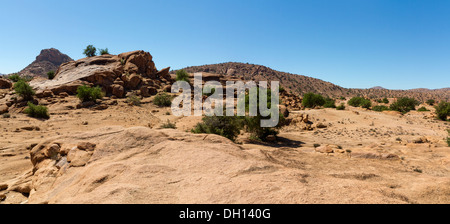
5, 83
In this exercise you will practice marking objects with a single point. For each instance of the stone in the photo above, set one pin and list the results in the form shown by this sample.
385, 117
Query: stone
3, 187
164, 73
85, 104
62, 162
420, 140
320, 125
78, 158
4, 109
101, 107
31, 128
63, 94
324, 149
5, 83
2, 197
133, 81
284, 110
52, 152
87, 146
118, 90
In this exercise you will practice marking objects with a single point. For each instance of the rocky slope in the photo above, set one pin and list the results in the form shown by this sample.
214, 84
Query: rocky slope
302, 84
47, 60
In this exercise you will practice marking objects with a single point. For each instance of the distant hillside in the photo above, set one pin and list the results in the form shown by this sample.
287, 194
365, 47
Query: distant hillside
300, 84
47, 60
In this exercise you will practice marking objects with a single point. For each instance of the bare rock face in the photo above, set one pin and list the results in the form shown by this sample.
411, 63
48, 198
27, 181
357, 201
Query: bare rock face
116, 74
47, 60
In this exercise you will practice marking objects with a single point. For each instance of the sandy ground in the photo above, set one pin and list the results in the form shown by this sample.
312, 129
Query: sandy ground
287, 171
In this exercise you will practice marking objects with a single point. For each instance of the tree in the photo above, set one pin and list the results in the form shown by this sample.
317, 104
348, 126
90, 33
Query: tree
90, 51
182, 75
404, 105
103, 51
311, 100
443, 110
431, 102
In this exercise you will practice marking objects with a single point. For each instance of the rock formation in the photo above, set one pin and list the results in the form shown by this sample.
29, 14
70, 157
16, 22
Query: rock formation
47, 60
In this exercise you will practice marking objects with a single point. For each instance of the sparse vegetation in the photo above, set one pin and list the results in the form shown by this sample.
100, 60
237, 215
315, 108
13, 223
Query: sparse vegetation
134, 100
24, 89
443, 110
90, 51
169, 125
14, 77
360, 102
213, 90
380, 108
385, 100
431, 102
404, 105
226, 126
182, 75
422, 109
329, 103
162, 100
340, 107
311, 100
86, 93
37, 111
103, 51
51, 75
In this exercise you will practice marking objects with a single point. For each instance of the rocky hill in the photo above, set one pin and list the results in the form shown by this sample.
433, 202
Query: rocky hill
47, 60
300, 84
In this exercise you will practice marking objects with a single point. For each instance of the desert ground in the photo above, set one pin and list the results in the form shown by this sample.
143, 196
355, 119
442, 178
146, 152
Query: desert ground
349, 156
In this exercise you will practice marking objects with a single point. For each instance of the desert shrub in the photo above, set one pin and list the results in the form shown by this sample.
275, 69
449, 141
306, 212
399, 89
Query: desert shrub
182, 75
162, 100
443, 110
311, 100
422, 109
90, 51
24, 89
37, 111
213, 90
340, 107
431, 102
6, 115
51, 74
404, 105
134, 100
103, 51
380, 108
86, 93
385, 100
329, 103
14, 77
342, 98
169, 125
360, 102
226, 126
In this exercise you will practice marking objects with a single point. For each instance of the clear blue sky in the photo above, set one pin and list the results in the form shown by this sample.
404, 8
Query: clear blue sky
397, 44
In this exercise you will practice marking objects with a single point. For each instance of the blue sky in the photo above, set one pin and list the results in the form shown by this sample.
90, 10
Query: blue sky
397, 44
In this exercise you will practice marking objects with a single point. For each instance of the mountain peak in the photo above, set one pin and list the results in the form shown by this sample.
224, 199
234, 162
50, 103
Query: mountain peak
48, 60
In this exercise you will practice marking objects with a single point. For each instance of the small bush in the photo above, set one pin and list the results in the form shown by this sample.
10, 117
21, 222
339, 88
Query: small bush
380, 108
340, 107
14, 77
6, 115
404, 105
24, 89
90, 51
204, 93
226, 126
360, 102
443, 110
86, 93
103, 51
422, 109
342, 98
162, 100
431, 102
385, 100
51, 74
329, 103
182, 75
169, 125
311, 100
134, 100
37, 111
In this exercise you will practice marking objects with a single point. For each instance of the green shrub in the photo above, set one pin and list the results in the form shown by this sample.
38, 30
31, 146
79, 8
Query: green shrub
329, 103
134, 100
311, 100
340, 107
86, 93
422, 109
342, 98
103, 51
90, 51
182, 75
169, 125
385, 100
213, 90
443, 110
404, 105
380, 108
360, 102
51, 74
431, 102
226, 126
163, 100
14, 77
24, 89
37, 111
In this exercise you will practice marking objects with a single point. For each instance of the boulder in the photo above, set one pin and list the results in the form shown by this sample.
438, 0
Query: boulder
4, 109
284, 110
87, 146
5, 83
118, 90
133, 81
324, 149
164, 73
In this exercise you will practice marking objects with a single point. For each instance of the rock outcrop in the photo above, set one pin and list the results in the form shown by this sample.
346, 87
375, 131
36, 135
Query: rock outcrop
116, 74
47, 60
